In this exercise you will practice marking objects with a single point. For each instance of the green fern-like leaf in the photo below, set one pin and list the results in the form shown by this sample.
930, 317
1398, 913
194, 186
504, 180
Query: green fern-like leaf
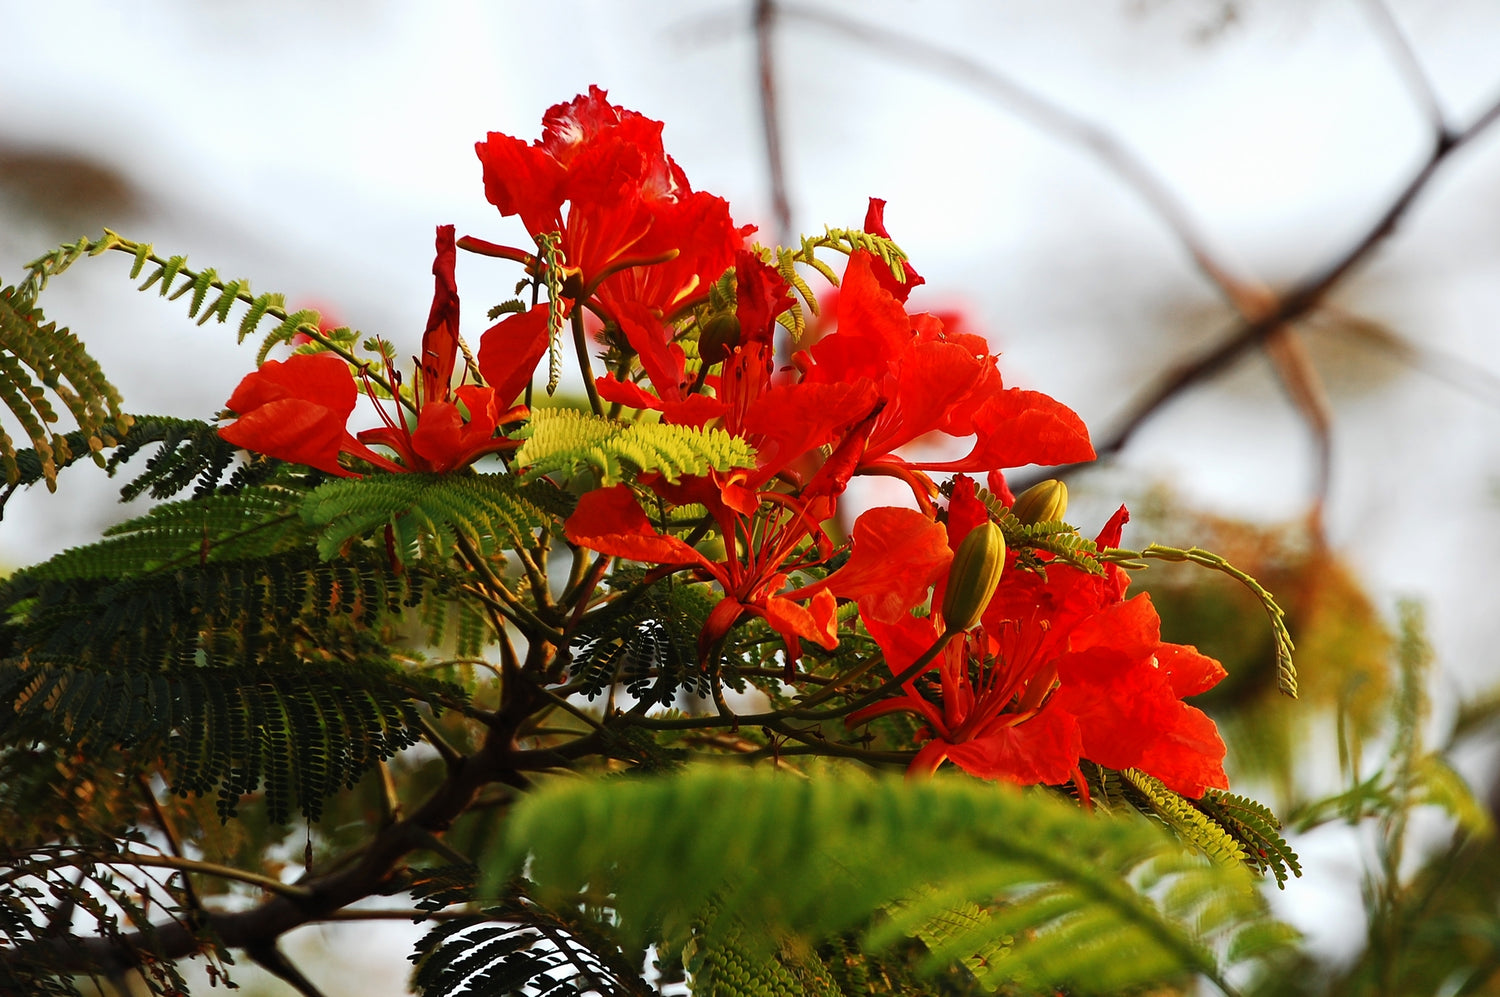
40, 363
1256, 828
192, 453
652, 649
521, 949
1286, 670
1091, 902
427, 513
1190, 823
733, 966
229, 527
305, 732
212, 632
209, 295
566, 441
40, 881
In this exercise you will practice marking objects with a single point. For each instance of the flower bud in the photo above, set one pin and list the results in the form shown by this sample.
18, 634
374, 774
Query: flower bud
973, 576
719, 336
1044, 502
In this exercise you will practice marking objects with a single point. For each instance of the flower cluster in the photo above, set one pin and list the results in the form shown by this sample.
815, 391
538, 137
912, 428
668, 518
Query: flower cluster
1060, 665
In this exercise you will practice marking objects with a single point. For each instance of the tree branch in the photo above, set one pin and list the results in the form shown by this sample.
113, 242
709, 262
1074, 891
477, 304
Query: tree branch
1410, 68
765, 29
1295, 303
312, 900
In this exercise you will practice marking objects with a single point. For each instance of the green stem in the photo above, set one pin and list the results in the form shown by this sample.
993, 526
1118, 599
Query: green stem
581, 346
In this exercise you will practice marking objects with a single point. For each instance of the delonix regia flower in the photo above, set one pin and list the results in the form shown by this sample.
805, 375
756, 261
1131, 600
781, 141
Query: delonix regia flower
1061, 667
298, 409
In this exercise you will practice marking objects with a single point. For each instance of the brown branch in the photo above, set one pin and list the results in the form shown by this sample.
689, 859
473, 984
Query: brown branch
765, 29
1250, 297
274, 961
1410, 67
1052, 119
1302, 298
315, 899
1455, 371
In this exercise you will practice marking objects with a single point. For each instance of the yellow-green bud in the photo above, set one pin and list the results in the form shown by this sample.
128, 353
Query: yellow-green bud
973, 576
1044, 502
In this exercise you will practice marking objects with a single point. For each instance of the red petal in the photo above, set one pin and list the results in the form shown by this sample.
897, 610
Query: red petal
1016, 428
510, 350
295, 430
524, 180
1114, 529
1131, 718
898, 554
875, 225
995, 482
438, 437
651, 338
317, 377
791, 620
873, 328
295, 410
1042, 749
627, 393
440, 341
610, 521
761, 294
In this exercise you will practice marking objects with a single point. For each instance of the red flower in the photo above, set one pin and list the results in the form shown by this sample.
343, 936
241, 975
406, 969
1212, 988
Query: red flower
1061, 667
627, 203
297, 410
609, 520
931, 380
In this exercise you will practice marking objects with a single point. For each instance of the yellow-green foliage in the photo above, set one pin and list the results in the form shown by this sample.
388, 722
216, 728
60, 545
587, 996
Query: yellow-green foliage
566, 442
39, 363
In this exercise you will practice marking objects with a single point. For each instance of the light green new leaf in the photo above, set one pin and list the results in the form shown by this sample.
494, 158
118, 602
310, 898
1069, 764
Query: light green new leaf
566, 441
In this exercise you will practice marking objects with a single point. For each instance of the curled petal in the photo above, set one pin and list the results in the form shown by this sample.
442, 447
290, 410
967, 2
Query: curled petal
610, 521
296, 410
440, 341
1016, 428
510, 350
898, 554
875, 225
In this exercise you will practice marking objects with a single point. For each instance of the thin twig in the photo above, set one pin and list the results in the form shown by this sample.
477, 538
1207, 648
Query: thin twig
770, 119
1250, 297
1051, 118
1410, 68
1455, 371
1295, 303
274, 961
174, 840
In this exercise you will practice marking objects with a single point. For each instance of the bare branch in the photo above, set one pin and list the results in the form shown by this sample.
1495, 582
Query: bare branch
274, 961
1294, 304
1051, 118
1410, 68
765, 29
1248, 295
1454, 371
